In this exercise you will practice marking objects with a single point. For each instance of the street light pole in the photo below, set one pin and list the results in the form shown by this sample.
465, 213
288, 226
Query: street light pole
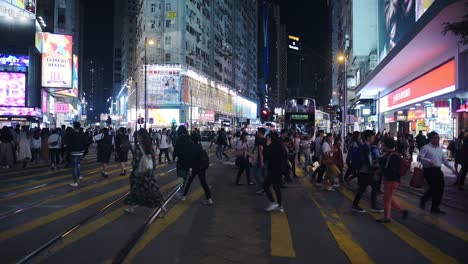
345, 98
146, 106
191, 110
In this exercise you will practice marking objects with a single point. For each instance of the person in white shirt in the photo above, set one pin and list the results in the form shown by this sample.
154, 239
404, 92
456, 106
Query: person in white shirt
164, 146
432, 158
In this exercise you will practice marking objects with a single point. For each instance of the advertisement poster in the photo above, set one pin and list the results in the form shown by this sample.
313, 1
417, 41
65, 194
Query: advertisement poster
163, 87
207, 116
56, 60
422, 6
12, 60
20, 111
19, 3
74, 91
12, 89
164, 117
246, 108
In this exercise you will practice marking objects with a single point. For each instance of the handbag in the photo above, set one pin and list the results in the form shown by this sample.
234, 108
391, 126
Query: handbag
417, 181
146, 162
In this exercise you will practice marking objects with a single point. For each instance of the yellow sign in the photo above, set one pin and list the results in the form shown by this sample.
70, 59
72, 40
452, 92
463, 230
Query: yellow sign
293, 38
171, 14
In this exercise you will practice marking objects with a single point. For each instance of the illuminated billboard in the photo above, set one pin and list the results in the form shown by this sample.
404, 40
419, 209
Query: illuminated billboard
74, 91
14, 8
56, 60
12, 89
396, 18
20, 111
164, 117
13, 60
246, 108
163, 86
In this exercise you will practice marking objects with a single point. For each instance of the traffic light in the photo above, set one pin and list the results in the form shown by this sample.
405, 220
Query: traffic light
265, 115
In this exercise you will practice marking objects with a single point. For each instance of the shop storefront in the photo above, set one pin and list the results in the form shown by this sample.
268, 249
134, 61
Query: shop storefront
183, 96
28, 116
423, 104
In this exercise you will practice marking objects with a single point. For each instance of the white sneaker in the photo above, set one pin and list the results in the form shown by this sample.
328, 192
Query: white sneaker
281, 209
130, 210
330, 189
208, 202
272, 206
80, 178
182, 198
74, 184
336, 185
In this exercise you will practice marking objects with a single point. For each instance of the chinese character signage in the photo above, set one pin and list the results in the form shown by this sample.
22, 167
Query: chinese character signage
12, 89
20, 111
61, 108
56, 60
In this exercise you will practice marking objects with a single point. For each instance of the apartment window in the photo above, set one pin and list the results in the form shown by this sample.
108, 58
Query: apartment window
153, 8
168, 40
168, 56
168, 23
168, 7
153, 23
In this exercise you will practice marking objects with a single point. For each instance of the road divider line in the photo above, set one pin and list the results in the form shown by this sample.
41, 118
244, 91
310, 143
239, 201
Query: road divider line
338, 229
430, 252
23, 228
281, 243
93, 227
162, 224
439, 223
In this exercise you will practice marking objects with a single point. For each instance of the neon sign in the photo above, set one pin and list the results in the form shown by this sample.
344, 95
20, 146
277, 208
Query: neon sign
12, 60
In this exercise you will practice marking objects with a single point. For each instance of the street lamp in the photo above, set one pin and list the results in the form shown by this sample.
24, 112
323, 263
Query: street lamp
147, 42
342, 58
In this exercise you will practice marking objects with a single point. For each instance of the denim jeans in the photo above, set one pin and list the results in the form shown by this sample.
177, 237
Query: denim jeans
75, 162
259, 174
219, 151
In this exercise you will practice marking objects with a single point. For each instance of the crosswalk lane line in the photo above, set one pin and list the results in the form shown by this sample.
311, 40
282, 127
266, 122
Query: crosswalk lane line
162, 224
281, 243
439, 223
339, 231
23, 228
430, 252
94, 226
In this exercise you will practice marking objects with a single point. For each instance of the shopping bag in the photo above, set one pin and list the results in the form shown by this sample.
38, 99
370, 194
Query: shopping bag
417, 181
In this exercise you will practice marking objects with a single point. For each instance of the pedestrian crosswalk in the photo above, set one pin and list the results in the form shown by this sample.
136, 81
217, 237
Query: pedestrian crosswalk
349, 232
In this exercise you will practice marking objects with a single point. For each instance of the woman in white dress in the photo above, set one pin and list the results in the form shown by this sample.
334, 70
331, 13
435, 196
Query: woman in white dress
23, 151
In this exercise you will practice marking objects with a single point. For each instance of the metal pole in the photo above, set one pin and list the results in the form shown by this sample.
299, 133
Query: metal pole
191, 109
345, 99
146, 106
136, 106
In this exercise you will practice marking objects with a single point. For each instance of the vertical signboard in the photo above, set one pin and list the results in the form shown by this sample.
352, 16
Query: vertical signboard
74, 91
56, 60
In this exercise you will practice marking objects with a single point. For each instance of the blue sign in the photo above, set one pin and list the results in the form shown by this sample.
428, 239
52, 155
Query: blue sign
11, 60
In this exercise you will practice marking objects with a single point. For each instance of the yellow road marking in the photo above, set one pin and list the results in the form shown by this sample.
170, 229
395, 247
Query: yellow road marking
178, 210
443, 225
341, 234
11, 178
281, 244
94, 226
23, 228
432, 253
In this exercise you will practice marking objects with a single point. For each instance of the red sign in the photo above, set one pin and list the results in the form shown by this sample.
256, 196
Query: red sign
61, 108
389, 118
207, 116
463, 108
416, 114
433, 81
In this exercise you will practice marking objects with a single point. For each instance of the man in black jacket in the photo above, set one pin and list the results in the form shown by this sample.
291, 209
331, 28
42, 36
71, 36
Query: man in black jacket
76, 143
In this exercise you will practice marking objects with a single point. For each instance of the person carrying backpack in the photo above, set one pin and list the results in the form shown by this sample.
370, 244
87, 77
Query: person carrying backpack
55, 142
367, 167
199, 164
390, 164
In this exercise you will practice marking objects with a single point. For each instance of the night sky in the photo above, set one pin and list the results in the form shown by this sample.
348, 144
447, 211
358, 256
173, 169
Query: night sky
98, 34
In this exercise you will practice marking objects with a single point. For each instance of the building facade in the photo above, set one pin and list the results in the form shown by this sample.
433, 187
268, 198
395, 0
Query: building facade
185, 46
406, 76
295, 69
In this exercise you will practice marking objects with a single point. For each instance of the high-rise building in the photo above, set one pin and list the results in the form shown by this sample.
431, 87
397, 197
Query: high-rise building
272, 55
185, 43
94, 83
295, 60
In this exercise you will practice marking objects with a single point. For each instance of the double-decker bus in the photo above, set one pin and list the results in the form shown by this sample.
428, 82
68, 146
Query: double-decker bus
299, 114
